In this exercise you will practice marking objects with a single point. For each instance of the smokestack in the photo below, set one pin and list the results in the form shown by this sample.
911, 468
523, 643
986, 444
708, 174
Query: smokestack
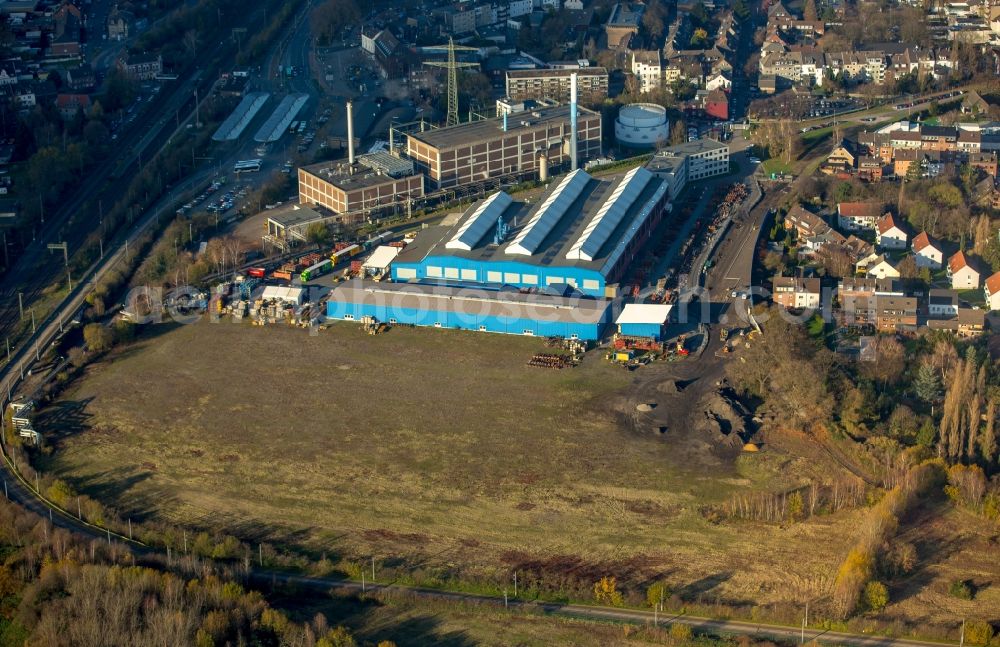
572, 120
350, 132
543, 168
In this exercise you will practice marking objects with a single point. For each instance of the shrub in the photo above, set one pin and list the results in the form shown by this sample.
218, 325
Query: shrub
978, 632
606, 592
876, 596
681, 632
960, 589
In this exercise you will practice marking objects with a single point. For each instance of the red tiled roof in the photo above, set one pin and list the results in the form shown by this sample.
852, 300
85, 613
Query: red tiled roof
993, 284
957, 261
922, 241
859, 209
886, 223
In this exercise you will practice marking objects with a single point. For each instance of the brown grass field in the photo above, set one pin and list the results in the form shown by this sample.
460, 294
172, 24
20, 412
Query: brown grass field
437, 451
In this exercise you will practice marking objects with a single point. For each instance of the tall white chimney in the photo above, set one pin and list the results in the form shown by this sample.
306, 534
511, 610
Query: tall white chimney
572, 121
350, 133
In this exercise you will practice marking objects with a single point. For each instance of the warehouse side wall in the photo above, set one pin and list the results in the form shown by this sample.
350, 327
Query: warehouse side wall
342, 311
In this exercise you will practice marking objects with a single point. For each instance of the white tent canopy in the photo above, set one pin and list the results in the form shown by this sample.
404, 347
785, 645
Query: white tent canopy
286, 294
380, 259
644, 313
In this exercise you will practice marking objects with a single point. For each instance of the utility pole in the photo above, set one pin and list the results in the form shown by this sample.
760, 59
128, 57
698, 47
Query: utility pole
20, 303
961, 639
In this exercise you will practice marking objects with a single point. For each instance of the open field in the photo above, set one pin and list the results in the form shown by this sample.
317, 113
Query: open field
439, 452
412, 623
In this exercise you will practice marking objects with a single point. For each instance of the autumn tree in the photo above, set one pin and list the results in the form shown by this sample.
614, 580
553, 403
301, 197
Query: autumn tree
98, 337
964, 404
809, 11
606, 592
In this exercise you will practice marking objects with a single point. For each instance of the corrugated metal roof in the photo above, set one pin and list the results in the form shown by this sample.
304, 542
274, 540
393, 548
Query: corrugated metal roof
549, 214
476, 225
610, 215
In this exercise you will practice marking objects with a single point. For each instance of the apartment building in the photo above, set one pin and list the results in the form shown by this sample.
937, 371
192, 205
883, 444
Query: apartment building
647, 68
554, 84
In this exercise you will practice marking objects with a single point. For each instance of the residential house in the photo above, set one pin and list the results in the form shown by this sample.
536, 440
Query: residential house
796, 292
894, 313
855, 287
70, 104
140, 67
884, 312
647, 69
967, 322
717, 105
719, 81
992, 290
120, 24
985, 193
878, 267
974, 104
985, 161
889, 235
858, 215
963, 276
927, 252
80, 79
805, 223
844, 155
942, 302
65, 41
870, 168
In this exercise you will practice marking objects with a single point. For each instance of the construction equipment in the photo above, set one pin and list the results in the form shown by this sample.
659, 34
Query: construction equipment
680, 347
452, 66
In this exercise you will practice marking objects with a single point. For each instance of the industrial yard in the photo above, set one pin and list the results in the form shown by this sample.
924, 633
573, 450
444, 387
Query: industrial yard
442, 451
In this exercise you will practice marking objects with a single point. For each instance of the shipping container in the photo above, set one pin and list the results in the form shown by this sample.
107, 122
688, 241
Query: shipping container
317, 270
256, 272
283, 274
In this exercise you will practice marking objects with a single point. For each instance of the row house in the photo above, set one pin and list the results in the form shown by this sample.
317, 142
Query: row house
796, 64
885, 313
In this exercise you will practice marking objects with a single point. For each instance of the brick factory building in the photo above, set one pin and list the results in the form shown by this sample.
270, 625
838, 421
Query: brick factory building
513, 144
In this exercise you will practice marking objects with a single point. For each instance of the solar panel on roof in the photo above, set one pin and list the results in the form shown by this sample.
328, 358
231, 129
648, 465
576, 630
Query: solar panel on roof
610, 215
479, 223
549, 213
